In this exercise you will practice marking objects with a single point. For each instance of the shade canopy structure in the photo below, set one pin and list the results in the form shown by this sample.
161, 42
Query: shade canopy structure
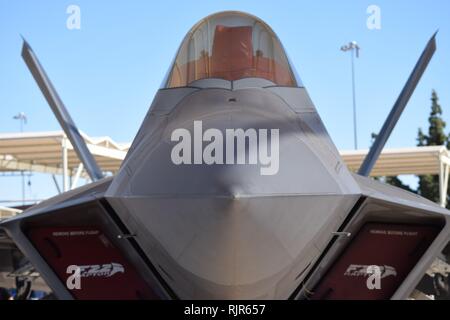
6, 212
398, 161
51, 152
432, 160
42, 152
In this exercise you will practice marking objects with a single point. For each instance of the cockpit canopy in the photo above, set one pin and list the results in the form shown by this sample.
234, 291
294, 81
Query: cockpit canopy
231, 46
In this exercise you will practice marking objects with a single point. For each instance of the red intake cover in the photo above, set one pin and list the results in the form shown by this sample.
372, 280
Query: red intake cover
104, 272
394, 248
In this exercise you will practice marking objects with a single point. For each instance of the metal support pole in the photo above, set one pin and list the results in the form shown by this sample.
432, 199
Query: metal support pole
443, 179
65, 165
77, 176
22, 119
444, 191
56, 183
355, 135
354, 48
443, 182
23, 187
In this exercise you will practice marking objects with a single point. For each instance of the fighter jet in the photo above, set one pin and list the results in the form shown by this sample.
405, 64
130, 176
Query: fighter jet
231, 189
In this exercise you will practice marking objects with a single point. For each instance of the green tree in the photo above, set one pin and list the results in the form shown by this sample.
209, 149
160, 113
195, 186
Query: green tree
429, 184
395, 181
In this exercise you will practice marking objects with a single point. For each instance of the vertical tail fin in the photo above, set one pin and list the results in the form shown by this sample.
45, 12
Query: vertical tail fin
398, 107
61, 113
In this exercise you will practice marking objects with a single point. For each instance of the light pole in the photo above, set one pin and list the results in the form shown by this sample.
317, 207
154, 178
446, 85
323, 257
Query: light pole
23, 119
354, 49
21, 116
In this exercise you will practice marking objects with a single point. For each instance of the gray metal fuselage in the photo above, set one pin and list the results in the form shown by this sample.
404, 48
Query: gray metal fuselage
226, 231
223, 231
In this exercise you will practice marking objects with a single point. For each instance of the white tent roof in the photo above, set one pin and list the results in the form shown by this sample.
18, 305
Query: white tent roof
42, 152
392, 162
8, 212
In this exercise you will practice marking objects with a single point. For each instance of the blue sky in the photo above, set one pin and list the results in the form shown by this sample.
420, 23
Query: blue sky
108, 71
